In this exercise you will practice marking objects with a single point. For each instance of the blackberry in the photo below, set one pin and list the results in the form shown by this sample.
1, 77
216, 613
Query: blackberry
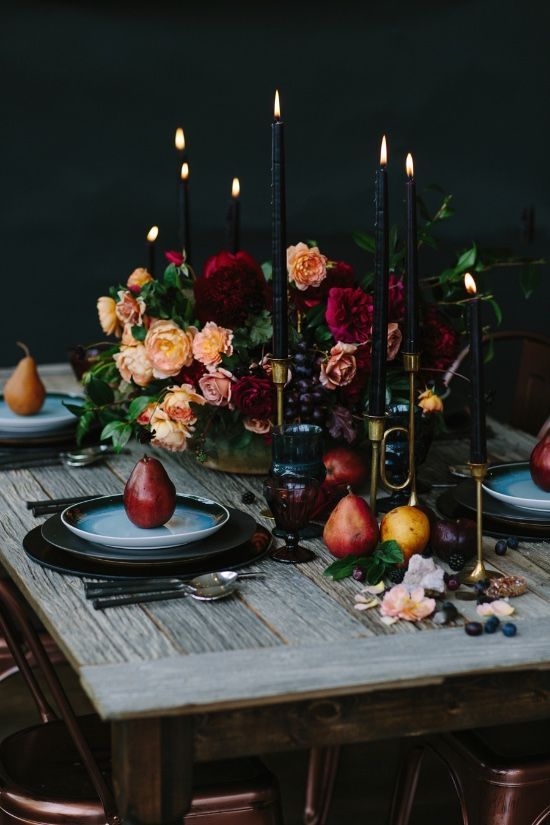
248, 497
457, 561
358, 574
396, 575
512, 543
501, 547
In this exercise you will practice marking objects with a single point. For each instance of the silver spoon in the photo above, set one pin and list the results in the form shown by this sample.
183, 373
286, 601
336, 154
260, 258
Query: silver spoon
207, 588
156, 585
86, 456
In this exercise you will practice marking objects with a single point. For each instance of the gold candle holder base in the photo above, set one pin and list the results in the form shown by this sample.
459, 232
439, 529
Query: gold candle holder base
479, 571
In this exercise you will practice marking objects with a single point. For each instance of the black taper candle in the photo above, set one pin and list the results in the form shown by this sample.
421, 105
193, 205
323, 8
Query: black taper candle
152, 236
184, 212
411, 285
377, 396
478, 437
278, 236
234, 218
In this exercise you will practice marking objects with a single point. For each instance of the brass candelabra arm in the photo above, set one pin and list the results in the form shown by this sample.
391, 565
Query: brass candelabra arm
479, 572
279, 375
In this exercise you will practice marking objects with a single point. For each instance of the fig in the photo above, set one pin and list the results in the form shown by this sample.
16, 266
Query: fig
454, 536
149, 495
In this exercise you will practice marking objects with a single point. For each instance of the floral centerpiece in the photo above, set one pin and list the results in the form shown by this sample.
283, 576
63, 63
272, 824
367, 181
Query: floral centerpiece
190, 363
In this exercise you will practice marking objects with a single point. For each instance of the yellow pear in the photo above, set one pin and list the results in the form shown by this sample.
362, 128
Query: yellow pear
24, 392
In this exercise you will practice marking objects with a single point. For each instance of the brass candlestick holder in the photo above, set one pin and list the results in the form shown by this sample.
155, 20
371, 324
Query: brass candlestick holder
279, 376
479, 572
378, 437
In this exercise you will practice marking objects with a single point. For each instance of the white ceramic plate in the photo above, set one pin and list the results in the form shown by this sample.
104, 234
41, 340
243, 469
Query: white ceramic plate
512, 484
53, 417
104, 521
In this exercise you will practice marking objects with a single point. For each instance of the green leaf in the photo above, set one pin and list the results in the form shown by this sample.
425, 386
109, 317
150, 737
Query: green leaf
100, 392
311, 243
393, 238
260, 328
365, 241
267, 269
172, 276
84, 424
139, 333
75, 409
389, 552
529, 279
366, 281
111, 428
497, 310
341, 568
137, 405
375, 571
467, 259
315, 316
121, 437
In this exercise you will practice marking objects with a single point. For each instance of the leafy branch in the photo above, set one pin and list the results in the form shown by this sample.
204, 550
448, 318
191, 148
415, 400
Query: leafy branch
375, 567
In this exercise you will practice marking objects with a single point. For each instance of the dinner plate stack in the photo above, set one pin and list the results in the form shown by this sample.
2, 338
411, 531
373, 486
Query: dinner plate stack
54, 423
512, 504
96, 538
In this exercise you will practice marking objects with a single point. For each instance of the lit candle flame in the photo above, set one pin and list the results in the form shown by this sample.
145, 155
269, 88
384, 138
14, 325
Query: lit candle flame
383, 152
153, 234
470, 284
235, 188
409, 165
184, 171
179, 139
277, 106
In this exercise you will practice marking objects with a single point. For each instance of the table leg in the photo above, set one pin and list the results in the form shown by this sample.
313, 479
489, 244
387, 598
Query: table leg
152, 769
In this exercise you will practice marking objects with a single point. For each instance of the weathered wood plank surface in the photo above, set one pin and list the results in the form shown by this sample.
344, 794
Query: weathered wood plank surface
250, 677
293, 634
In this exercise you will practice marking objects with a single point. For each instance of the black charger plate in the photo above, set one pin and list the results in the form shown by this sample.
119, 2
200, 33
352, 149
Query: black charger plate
465, 495
45, 554
449, 507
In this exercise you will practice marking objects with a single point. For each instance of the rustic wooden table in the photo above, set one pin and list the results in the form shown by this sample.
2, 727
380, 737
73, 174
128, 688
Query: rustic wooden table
288, 663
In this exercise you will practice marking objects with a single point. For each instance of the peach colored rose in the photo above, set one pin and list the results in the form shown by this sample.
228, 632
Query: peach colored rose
106, 309
137, 279
144, 417
430, 402
261, 426
169, 434
169, 347
134, 365
211, 343
394, 340
216, 387
306, 266
411, 605
340, 368
129, 309
127, 338
177, 403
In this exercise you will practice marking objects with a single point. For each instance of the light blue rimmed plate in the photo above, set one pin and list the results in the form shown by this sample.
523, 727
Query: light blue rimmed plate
104, 521
512, 484
52, 418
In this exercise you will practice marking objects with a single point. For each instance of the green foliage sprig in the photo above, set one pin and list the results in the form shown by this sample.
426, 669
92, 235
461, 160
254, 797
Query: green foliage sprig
386, 556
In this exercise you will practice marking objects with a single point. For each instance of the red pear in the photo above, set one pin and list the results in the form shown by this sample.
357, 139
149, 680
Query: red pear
149, 495
539, 464
344, 466
351, 528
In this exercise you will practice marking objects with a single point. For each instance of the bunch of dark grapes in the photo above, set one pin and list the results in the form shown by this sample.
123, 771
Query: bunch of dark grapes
305, 398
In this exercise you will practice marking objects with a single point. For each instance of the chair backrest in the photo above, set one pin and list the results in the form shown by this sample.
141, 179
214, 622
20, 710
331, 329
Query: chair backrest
531, 402
15, 625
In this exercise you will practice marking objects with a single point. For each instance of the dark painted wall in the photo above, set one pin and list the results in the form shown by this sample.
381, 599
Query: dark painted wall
91, 94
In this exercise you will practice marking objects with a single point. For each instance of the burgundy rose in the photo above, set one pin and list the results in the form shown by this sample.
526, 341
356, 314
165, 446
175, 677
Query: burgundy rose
440, 342
252, 395
174, 257
396, 296
232, 287
191, 374
339, 274
349, 314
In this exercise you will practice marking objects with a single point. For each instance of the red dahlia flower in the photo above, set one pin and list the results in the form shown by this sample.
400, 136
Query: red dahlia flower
349, 315
231, 288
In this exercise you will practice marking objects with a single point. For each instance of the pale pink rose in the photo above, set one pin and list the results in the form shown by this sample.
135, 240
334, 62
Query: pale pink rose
261, 426
169, 347
129, 309
211, 343
216, 387
411, 605
430, 402
306, 266
144, 417
340, 368
134, 365
106, 309
177, 403
137, 279
394, 340
169, 434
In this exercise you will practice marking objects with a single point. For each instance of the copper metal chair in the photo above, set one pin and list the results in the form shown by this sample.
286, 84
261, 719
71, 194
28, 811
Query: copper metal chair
58, 772
494, 786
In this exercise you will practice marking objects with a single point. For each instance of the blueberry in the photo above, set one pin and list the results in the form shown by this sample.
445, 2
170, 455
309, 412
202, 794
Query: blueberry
453, 583
501, 547
480, 587
513, 543
473, 628
358, 574
491, 624
509, 629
